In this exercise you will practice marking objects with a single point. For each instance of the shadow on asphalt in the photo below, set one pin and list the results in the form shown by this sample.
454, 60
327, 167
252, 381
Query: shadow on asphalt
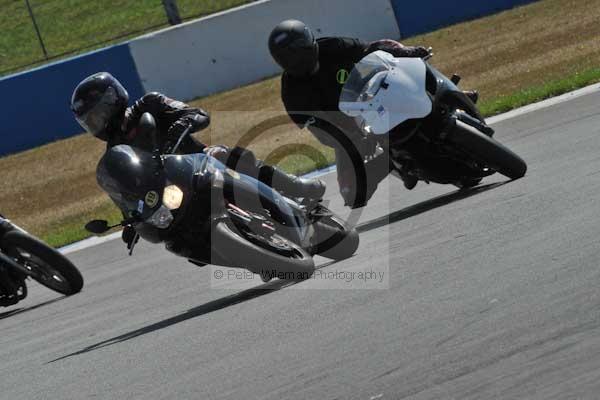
206, 308
22, 310
276, 285
425, 206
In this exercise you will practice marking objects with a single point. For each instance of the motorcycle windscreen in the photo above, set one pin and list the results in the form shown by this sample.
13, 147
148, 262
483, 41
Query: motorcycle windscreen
382, 92
180, 169
128, 175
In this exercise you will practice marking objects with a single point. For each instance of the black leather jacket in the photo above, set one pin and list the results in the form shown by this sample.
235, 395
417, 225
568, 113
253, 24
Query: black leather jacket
319, 94
172, 118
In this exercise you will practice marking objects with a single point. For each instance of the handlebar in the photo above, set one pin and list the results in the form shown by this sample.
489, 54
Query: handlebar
185, 133
430, 55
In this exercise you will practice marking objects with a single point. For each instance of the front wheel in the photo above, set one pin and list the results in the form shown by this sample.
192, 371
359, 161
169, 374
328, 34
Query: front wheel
273, 256
488, 151
46, 265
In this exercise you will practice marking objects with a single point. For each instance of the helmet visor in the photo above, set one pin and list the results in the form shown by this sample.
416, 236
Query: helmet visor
96, 119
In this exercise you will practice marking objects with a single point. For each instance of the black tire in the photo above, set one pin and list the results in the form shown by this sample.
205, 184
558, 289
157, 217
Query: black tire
334, 239
53, 270
231, 249
488, 151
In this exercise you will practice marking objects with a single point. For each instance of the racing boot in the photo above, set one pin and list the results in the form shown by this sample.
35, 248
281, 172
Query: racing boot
410, 181
355, 194
291, 185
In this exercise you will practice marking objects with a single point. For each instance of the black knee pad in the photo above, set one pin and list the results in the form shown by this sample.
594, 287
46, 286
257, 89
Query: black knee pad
242, 160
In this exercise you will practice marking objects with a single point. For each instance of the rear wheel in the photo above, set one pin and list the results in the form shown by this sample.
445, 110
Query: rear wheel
488, 151
47, 265
269, 256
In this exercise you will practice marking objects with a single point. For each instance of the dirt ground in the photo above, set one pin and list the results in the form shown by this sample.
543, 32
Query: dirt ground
54, 186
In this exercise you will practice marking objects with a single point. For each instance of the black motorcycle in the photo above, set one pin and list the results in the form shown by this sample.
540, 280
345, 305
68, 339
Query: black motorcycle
431, 130
210, 214
23, 255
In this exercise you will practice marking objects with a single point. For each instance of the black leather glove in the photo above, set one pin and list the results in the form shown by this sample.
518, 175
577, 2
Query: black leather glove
397, 49
129, 236
220, 152
196, 122
423, 52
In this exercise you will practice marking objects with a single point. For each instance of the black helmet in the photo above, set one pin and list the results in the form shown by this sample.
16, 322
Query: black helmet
98, 103
294, 47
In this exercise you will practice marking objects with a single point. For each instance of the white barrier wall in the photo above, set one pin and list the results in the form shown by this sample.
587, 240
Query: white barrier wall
229, 49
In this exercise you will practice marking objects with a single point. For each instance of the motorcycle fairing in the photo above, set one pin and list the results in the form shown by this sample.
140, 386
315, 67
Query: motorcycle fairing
127, 175
240, 189
446, 92
180, 169
383, 91
250, 194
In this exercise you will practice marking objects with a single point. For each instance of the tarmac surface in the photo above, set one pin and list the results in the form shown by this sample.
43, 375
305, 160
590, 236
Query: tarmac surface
490, 293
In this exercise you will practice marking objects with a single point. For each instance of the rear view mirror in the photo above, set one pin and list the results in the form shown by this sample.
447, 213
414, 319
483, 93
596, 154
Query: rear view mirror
147, 127
97, 226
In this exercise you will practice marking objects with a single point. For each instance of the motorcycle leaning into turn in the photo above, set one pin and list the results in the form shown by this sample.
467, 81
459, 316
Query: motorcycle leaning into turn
428, 127
210, 214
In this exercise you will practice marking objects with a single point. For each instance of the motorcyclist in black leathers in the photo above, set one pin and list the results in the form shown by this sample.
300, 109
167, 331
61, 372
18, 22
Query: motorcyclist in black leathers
99, 103
315, 71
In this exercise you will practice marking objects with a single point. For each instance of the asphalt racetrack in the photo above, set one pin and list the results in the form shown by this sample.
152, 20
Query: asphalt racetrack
492, 293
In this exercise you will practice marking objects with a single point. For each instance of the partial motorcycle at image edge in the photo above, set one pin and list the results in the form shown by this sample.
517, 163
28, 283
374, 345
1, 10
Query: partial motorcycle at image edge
210, 214
24, 256
432, 131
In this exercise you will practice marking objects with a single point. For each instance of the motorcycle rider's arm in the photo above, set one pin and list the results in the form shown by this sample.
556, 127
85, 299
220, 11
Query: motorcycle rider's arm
177, 115
357, 49
189, 145
397, 49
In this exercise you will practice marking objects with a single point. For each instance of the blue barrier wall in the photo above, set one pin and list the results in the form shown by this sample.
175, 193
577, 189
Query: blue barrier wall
35, 104
415, 17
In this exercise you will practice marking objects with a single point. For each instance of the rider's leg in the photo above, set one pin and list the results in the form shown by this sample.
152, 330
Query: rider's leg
244, 161
291, 185
355, 193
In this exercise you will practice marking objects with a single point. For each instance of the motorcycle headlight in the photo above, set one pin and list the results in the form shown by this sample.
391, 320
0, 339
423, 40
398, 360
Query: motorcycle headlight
161, 219
172, 197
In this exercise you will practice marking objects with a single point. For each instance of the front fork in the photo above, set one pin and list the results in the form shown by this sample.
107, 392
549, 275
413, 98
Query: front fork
6, 226
12, 285
473, 122
5, 260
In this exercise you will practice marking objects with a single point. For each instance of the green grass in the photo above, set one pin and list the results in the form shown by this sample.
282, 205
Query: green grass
67, 26
513, 58
70, 230
538, 93
65, 232
299, 163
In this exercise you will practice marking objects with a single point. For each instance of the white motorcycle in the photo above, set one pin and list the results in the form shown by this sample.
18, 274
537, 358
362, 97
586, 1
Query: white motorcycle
431, 129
